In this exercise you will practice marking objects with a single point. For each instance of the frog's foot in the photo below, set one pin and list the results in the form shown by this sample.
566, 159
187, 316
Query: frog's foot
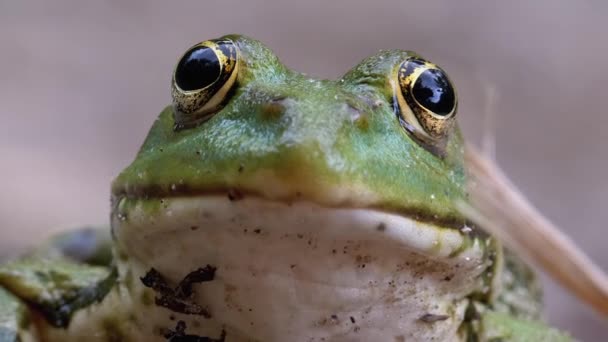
40, 293
253, 269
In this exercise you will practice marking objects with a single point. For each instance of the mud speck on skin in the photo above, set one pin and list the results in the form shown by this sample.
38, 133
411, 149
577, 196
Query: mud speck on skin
432, 318
177, 299
180, 335
203, 274
334, 319
235, 195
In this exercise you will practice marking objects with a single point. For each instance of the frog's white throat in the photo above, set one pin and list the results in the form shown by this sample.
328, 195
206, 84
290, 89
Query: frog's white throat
299, 271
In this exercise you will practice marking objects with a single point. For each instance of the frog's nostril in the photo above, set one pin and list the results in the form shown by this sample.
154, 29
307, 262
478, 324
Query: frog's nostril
353, 112
357, 116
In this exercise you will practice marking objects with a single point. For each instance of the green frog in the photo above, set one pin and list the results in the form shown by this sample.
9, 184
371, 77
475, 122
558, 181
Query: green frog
265, 205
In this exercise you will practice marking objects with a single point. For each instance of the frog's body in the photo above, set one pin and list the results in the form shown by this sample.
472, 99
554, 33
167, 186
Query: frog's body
267, 206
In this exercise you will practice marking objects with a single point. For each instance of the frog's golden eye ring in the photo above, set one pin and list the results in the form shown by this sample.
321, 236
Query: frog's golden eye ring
202, 80
426, 99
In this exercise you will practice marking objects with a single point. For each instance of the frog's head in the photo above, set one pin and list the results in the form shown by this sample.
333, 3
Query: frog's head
383, 136
258, 169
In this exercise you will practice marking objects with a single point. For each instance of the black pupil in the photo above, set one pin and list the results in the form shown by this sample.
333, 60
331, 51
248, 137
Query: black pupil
433, 91
197, 69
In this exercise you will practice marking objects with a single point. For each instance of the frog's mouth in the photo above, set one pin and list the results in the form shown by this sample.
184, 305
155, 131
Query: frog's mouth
242, 214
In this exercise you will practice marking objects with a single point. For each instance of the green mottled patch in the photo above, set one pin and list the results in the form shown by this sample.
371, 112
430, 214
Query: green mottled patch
14, 317
56, 287
496, 326
521, 292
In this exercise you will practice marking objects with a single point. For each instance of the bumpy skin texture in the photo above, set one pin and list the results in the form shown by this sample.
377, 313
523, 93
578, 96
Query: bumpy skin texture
282, 138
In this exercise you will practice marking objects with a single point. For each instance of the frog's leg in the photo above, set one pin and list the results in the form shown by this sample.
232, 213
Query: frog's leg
497, 326
14, 318
512, 310
519, 289
46, 287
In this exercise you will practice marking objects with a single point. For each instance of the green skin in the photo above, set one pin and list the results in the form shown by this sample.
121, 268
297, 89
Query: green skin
280, 136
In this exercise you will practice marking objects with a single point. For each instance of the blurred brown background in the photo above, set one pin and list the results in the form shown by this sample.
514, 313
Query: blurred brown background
81, 83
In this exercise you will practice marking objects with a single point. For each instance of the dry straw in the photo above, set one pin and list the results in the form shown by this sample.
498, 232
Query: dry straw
498, 207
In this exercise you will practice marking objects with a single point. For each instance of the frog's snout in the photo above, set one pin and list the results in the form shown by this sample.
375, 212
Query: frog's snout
337, 108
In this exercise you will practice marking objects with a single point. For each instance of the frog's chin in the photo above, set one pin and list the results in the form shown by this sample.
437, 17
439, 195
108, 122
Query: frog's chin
294, 271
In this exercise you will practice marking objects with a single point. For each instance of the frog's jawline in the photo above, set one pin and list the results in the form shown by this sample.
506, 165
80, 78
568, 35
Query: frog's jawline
423, 237
181, 190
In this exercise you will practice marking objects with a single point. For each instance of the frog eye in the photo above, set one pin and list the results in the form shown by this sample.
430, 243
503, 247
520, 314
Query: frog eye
426, 99
202, 80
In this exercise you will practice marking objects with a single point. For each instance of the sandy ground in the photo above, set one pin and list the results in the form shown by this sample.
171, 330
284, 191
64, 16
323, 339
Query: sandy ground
80, 84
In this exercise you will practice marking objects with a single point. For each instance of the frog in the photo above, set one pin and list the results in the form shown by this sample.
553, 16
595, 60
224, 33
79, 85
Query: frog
266, 205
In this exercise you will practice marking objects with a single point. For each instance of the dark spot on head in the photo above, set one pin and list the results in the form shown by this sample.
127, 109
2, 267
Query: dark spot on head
352, 319
194, 228
257, 230
273, 109
241, 168
381, 227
